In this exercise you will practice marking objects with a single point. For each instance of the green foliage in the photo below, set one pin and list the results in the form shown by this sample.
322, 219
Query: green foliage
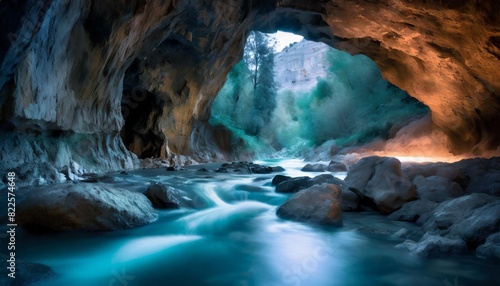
246, 102
351, 105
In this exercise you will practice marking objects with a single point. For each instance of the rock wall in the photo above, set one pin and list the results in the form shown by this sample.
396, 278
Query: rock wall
298, 67
66, 64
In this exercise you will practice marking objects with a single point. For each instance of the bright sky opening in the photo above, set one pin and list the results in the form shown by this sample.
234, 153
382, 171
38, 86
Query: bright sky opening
283, 39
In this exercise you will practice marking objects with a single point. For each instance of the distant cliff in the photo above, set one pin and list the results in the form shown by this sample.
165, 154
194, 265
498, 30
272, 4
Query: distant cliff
298, 67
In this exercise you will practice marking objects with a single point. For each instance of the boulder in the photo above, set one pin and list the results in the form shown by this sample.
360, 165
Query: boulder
413, 170
491, 248
318, 204
477, 225
380, 183
163, 197
486, 183
453, 173
84, 206
434, 245
437, 189
277, 169
336, 167
350, 201
326, 178
278, 179
455, 210
294, 185
418, 211
314, 168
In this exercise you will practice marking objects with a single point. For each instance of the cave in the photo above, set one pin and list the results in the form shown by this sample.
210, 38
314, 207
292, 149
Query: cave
115, 170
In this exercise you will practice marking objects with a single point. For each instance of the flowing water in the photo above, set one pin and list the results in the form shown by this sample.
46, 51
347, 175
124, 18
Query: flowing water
233, 237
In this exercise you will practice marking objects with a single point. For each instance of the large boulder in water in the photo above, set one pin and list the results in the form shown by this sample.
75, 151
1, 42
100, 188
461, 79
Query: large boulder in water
84, 206
380, 183
318, 204
163, 197
279, 178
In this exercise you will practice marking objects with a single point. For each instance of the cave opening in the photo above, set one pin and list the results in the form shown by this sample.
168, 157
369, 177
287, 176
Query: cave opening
143, 143
289, 96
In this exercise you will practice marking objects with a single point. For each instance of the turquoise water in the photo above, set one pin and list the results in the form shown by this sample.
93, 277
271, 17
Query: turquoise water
233, 237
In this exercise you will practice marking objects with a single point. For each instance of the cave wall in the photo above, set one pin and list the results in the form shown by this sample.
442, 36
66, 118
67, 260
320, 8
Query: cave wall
64, 66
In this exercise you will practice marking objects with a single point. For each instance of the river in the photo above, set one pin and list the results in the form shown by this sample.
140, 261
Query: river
233, 237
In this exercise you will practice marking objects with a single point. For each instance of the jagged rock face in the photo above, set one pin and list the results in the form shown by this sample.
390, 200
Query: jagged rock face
444, 53
65, 64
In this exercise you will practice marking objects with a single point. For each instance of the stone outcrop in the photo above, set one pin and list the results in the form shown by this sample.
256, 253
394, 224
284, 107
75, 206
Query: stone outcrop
379, 182
84, 206
66, 65
455, 226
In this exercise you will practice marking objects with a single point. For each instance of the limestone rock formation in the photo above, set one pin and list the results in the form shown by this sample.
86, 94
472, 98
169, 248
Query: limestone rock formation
299, 67
72, 69
84, 206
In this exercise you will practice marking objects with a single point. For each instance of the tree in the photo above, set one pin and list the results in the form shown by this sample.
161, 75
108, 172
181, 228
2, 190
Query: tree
259, 58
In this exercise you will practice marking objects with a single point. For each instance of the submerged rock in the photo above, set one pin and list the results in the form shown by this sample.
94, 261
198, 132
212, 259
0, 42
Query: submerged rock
380, 183
27, 273
437, 189
163, 197
84, 206
317, 204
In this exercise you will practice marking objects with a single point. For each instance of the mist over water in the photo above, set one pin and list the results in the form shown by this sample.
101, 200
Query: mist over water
232, 237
